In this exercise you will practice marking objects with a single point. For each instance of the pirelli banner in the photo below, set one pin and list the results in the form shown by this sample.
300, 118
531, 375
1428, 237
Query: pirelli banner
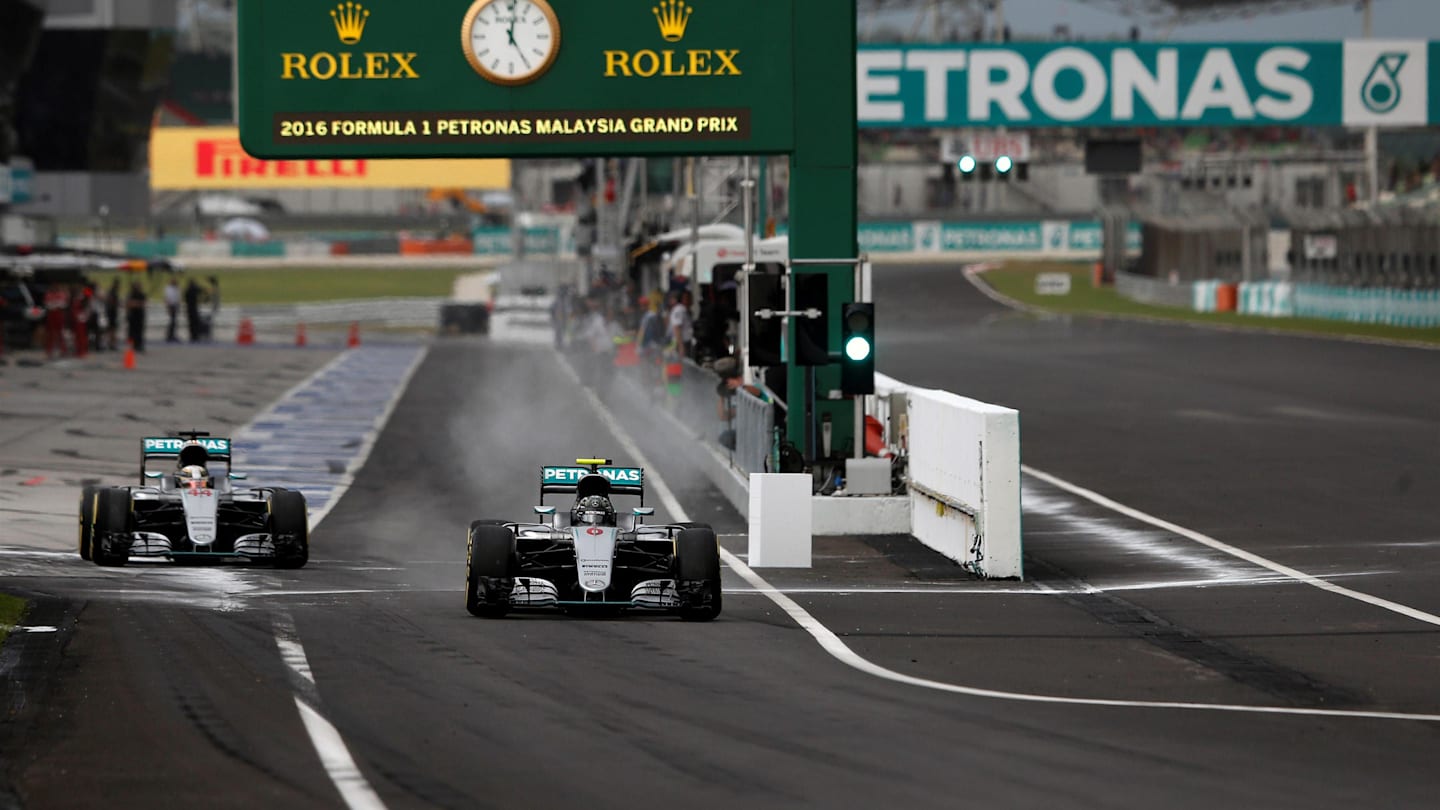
1385, 83
399, 78
198, 158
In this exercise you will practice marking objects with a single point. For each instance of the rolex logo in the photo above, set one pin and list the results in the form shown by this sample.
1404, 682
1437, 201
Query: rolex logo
673, 16
350, 21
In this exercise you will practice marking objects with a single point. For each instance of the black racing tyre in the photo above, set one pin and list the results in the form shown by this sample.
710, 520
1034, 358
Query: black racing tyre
489, 568
112, 515
288, 517
88, 496
697, 573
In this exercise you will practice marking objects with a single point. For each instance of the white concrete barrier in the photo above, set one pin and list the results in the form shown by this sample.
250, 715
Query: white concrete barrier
780, 520
964, 477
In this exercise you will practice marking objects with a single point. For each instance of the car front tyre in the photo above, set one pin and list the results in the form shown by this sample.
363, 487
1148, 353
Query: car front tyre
112, 517
489, 569
88, 497
697, 573
287, 517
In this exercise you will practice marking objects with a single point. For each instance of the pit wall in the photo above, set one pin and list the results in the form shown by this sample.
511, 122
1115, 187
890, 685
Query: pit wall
963, 476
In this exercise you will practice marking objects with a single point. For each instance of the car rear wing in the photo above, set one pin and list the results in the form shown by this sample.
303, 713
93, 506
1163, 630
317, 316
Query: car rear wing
167, 448
566, 480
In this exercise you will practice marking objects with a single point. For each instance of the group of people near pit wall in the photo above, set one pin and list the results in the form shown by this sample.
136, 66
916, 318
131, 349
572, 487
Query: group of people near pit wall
74, 318
614, 326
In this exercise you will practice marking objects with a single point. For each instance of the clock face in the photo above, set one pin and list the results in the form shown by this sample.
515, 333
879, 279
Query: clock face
511, 41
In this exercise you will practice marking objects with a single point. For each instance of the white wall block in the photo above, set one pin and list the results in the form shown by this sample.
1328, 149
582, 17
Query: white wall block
780, 520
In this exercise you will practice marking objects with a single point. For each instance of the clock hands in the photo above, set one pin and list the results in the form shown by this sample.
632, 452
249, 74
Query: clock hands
513, 19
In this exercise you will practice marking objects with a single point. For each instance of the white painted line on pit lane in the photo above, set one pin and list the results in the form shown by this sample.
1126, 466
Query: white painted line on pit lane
335, 757
1226, 548
838, 649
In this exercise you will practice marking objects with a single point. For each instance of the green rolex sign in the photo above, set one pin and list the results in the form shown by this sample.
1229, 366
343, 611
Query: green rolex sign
480, 78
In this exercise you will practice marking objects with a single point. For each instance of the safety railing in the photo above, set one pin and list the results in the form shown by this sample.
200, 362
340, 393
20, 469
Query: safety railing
754, 432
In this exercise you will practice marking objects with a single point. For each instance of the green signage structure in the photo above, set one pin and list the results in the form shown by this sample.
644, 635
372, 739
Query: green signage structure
492, 78
1383, 83
321, 79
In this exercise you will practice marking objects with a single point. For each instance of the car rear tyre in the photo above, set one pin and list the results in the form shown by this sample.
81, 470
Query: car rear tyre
489, 568
112, 517
88, 496
287, 517
697, 573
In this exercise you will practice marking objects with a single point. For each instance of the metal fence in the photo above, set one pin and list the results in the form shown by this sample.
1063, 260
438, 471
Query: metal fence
754, 432
1156, 291
1398, 250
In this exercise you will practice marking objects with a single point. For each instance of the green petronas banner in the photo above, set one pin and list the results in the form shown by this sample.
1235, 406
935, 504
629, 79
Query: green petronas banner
477, 78
1384, 83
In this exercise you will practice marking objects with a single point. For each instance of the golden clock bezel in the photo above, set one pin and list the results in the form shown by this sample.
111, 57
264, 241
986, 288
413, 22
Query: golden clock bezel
485, 73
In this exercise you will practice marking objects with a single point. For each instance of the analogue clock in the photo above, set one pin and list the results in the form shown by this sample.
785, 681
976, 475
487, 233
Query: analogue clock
511, 41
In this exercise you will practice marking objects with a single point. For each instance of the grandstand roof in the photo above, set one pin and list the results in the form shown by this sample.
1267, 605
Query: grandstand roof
1197, 10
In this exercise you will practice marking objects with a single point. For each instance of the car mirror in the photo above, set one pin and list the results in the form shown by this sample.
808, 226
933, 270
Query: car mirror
154, 476
239, 476
544, 510
643, 511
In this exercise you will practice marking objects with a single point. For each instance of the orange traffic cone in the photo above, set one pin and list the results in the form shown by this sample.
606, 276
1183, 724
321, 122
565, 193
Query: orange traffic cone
354, 339
130, 354
246, 335
300, 334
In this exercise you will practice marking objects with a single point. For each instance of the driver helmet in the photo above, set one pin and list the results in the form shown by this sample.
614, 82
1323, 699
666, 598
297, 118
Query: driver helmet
594, 510
192, 473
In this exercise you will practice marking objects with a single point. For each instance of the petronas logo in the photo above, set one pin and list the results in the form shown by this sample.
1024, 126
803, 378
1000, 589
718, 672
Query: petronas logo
1381, 92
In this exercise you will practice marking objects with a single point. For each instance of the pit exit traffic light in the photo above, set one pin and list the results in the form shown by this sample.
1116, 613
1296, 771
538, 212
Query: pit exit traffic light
857, 342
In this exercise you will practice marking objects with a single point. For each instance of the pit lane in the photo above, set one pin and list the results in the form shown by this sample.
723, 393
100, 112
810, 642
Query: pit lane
440, 709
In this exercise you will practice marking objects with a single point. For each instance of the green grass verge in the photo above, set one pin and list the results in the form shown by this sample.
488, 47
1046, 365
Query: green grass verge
11, 609
1017, 280
277, 285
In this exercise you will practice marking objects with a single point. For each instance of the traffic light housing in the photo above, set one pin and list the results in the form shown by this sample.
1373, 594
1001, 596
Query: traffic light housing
857, 349
766, 292
812, 335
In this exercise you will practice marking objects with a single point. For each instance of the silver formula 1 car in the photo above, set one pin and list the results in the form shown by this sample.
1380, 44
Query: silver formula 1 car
191, 511
591, 559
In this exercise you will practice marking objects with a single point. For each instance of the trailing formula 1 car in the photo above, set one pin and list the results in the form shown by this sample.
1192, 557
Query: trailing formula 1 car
589, 559
192, 511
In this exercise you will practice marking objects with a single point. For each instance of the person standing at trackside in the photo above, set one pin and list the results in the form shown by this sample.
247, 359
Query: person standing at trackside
651, 332
135, 316
681, 326
57, 306
172, 308
560, 314
80, 320
95, 316
112, 313
192, 310
214, 308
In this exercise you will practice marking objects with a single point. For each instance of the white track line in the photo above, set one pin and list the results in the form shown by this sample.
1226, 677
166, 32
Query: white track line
832, 644
356, 792
334, 756
329, 745
1226, 548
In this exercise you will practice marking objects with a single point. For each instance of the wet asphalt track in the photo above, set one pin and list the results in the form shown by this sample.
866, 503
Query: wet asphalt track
1293, 449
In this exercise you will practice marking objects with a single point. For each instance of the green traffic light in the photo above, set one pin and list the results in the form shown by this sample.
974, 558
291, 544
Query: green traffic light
857, 348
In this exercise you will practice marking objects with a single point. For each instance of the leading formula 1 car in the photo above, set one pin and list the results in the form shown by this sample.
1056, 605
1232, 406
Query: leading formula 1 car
192, 512
589, 558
